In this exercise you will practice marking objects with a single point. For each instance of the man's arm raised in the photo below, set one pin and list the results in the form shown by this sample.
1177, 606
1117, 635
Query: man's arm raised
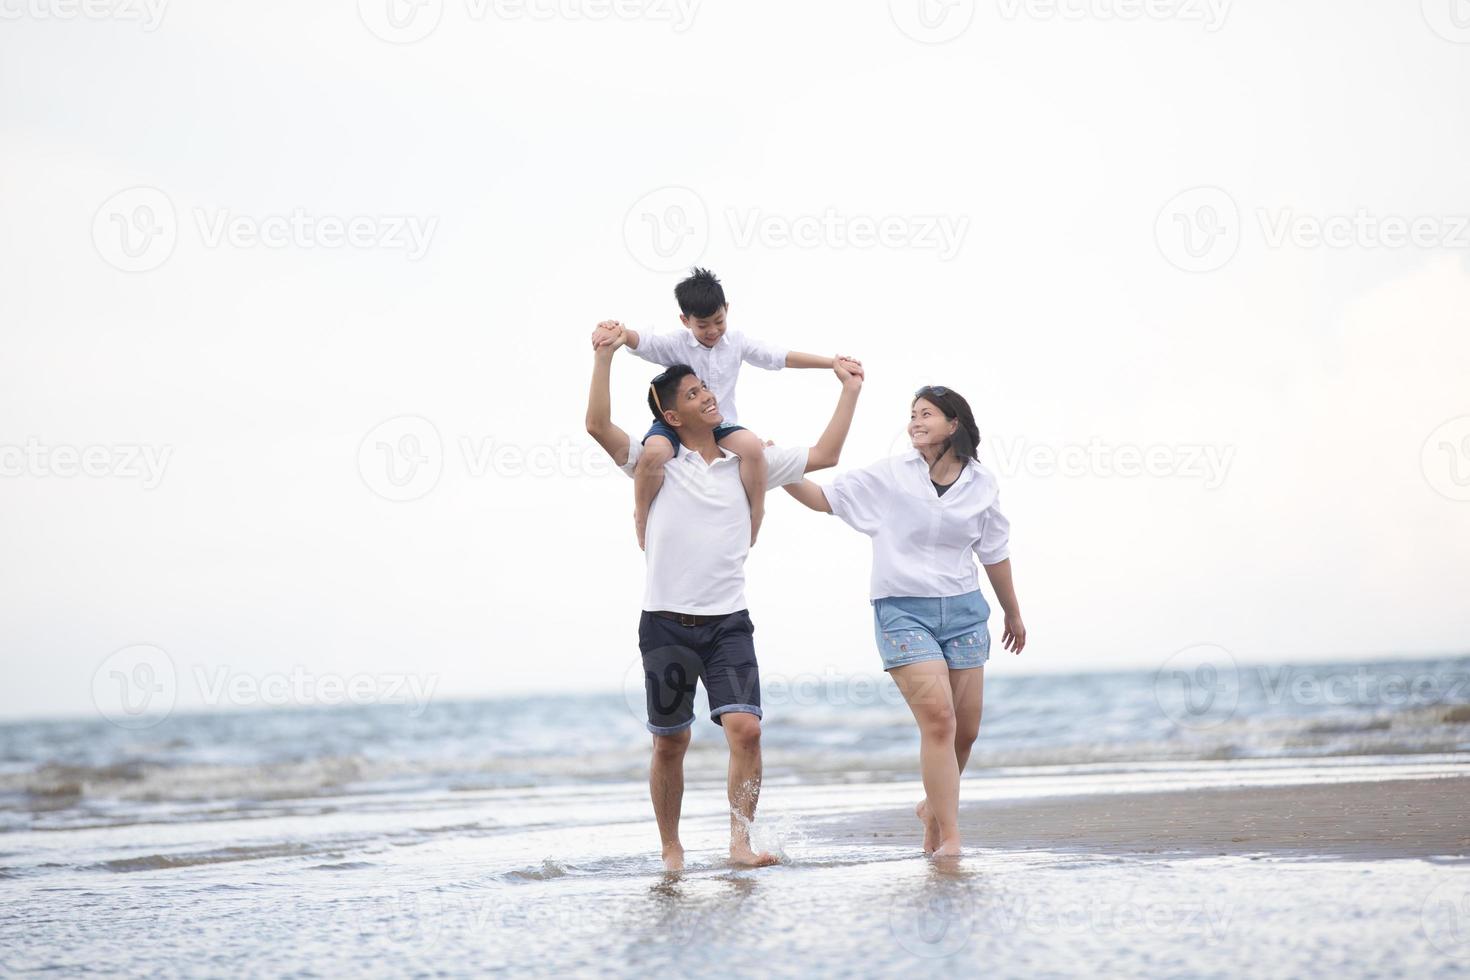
828, 449
612, 439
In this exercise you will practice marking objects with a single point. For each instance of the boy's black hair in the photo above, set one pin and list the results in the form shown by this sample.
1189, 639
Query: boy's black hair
665, 388
701, 295
966, 439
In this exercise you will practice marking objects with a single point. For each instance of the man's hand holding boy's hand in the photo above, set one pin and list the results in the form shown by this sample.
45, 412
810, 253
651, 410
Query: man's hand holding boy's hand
843, 368
851, 365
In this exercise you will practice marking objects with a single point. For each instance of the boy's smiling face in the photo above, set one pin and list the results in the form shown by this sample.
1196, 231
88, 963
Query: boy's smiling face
707, 329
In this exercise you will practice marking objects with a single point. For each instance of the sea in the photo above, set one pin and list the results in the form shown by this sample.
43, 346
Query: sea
514, 835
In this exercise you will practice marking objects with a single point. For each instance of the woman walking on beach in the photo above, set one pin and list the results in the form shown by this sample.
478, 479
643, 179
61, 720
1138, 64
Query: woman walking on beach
928, 511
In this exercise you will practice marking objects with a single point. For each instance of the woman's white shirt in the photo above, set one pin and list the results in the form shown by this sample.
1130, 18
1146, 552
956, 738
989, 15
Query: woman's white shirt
922, 542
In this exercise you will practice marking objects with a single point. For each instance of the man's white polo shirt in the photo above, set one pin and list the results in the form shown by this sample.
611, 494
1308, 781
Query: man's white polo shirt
923, 543
699, 529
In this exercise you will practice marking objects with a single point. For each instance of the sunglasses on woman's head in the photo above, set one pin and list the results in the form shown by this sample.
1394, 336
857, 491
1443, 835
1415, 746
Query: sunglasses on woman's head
939, 390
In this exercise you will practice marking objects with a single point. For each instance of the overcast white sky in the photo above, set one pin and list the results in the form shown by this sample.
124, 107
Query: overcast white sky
1106, 230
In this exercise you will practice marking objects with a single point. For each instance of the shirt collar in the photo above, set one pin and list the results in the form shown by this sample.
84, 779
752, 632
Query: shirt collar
692, 341
685, 452
915, 457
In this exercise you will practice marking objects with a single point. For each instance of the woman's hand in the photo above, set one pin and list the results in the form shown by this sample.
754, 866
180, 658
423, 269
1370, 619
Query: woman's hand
1014, 638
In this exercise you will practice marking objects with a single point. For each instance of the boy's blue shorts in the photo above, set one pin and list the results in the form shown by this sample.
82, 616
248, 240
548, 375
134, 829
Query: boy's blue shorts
662, 428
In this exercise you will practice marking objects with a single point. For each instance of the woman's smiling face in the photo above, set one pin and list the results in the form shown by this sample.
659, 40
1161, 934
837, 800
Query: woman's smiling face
928, 426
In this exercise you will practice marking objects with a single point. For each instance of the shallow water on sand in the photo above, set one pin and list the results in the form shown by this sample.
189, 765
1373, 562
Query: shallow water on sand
564, 880
517, 835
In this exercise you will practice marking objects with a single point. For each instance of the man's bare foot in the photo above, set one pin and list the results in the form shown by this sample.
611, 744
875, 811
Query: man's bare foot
931, 825
742, 856
673, 857
949, 849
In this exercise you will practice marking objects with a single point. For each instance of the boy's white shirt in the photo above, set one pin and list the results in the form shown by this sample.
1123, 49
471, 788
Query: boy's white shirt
718, 366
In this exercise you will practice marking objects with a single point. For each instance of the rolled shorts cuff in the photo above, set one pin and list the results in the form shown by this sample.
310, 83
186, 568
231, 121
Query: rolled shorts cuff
750, 709
670, 730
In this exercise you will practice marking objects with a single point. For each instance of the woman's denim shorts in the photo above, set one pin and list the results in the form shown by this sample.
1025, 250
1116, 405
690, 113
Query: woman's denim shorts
949, 628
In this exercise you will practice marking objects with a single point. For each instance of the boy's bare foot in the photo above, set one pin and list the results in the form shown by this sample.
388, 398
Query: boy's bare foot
931, 825
640, 525
742, 856
949, 849
673, 857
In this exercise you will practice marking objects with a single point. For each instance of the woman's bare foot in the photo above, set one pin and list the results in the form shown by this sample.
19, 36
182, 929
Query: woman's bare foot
673, 857
949, 849
742, 856
931, 825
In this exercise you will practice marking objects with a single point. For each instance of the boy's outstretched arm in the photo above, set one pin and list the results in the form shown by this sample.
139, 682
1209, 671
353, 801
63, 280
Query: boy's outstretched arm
828, 449
798, 359
612, 439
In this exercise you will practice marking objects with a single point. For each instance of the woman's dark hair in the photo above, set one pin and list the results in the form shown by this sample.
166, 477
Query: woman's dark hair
664, 387
701, 295
966, 439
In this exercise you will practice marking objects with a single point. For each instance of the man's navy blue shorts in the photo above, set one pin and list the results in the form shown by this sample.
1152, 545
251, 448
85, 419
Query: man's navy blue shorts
666, 430
720, 651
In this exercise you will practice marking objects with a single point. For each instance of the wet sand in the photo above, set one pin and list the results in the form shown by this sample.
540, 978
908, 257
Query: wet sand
1360, 820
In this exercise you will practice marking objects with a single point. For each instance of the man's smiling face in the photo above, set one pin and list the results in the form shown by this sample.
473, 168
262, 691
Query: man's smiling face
695, 406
